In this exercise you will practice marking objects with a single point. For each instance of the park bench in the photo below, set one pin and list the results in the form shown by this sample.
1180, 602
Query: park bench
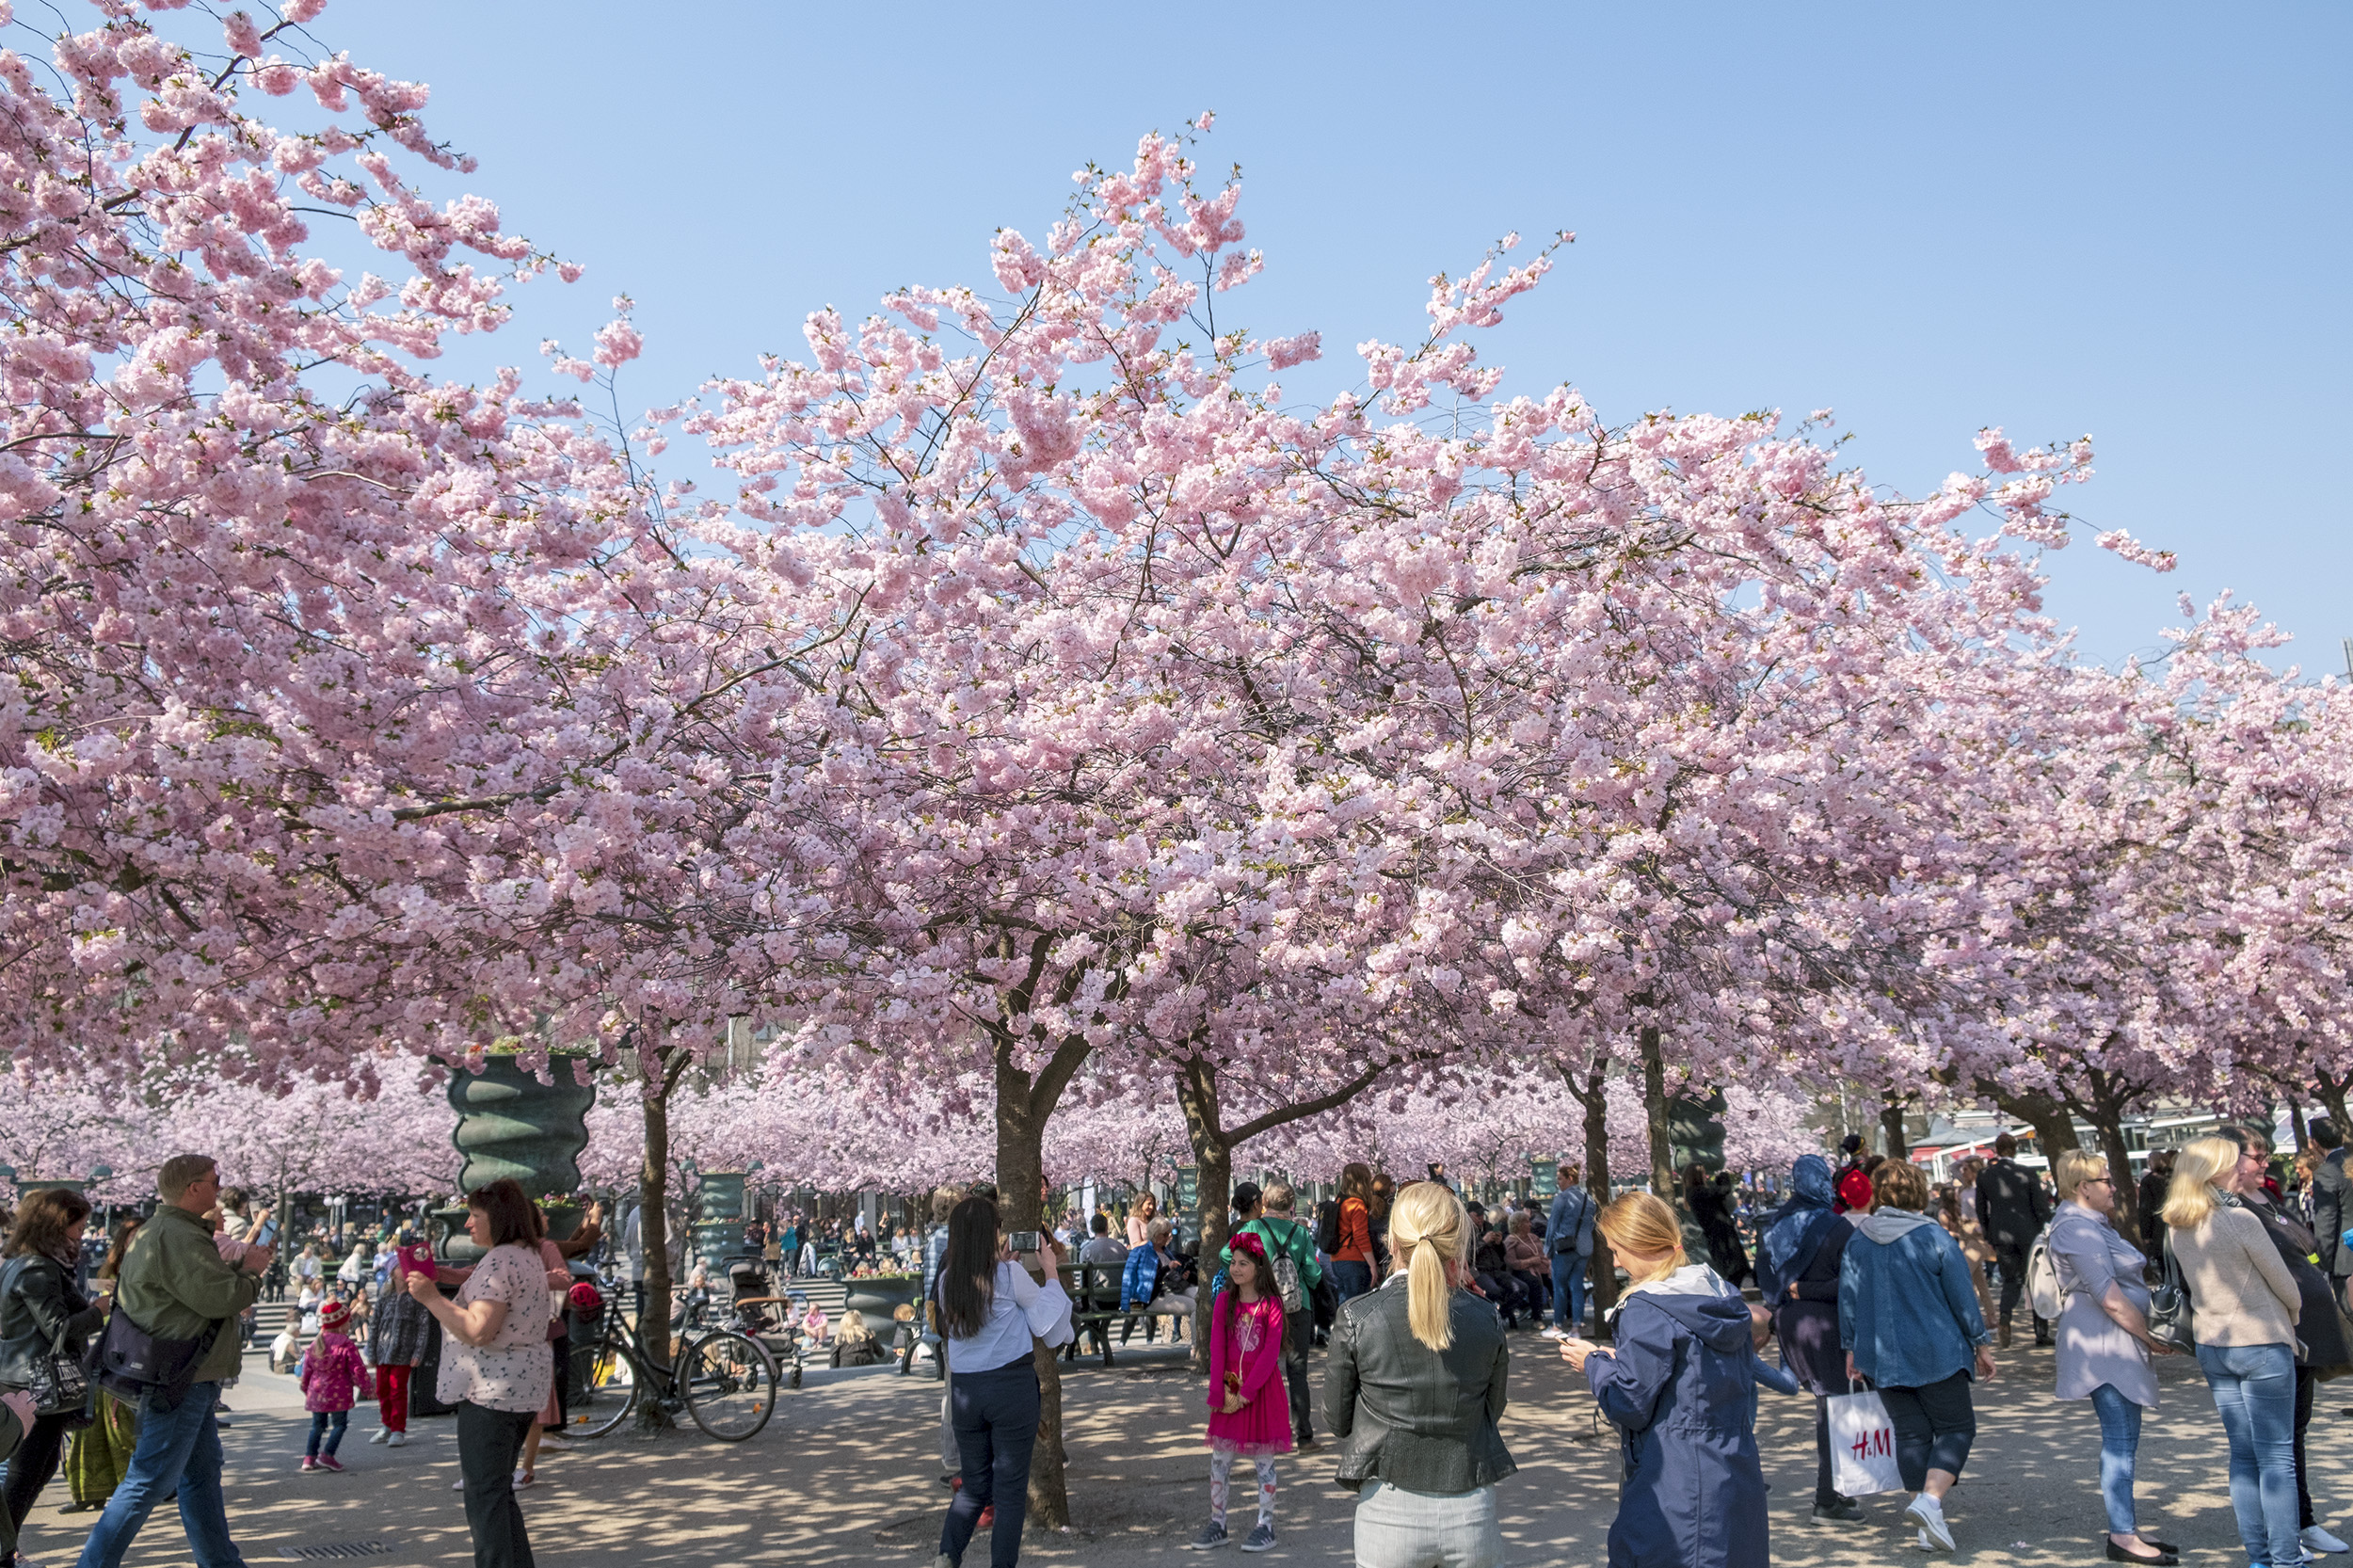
1094, 1291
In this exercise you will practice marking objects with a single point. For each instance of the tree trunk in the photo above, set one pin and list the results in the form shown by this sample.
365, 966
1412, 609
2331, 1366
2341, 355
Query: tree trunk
1892, 1122
1214, 1145
2297, 1128
1601, 1269
1662, 1154
1021, 1202
2054, 1126
1213, 1187
2111, 1127
2332, 1092
653, 1225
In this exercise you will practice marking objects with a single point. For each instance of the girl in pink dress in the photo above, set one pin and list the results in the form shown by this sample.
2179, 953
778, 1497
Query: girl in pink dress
1249, 1411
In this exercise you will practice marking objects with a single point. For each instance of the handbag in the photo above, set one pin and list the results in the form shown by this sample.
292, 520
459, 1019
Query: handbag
2170, 1307
59, 1386
57, 1382
1863, 1444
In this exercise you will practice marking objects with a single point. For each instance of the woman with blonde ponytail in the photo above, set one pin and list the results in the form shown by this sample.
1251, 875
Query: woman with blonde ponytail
1680, 1386
1414, 1390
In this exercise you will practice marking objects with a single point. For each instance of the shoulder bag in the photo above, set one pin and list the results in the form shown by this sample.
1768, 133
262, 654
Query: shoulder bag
2170, 1307
131, 1363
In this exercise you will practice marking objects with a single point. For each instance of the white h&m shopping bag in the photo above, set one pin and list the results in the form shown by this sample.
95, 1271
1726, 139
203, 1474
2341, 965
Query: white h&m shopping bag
1861, 1446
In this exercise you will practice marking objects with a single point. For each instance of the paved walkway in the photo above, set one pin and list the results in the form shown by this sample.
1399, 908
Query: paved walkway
844, 1475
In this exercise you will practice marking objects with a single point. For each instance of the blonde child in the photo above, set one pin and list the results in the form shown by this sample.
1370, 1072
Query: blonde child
333, 1377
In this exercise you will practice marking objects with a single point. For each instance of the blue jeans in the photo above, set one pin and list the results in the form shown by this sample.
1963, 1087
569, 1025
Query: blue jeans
1350, 1278
996, 1416
2119, 1441
177, 1447
2254, 1392
1568, 1291
327, 1424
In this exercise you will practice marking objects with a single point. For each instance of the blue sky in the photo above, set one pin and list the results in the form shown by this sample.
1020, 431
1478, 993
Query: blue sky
2130, 221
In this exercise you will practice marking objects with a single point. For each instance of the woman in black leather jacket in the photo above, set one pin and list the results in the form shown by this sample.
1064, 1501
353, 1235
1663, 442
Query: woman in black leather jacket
1413, 1389
39, 1306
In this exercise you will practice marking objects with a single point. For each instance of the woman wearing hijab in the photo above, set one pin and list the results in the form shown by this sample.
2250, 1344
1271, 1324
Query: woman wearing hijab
1797, 1272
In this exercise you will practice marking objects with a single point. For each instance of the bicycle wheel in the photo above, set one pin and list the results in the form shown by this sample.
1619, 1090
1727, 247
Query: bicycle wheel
606, 1382
730, 1383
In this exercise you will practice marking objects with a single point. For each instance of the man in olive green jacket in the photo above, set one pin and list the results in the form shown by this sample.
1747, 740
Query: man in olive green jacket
176, 1286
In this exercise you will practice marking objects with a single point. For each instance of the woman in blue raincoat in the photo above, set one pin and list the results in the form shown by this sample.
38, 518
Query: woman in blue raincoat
1680, 1386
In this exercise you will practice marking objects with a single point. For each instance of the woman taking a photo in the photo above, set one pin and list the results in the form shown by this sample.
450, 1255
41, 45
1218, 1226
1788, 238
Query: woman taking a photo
2104, 1341
1909, 1315
495, 1367
1797, 1258
992, 1311
1412, 1390
2244, 1305
41, 1313
1678, 1386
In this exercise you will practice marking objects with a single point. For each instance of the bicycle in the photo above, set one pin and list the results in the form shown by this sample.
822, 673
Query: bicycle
725, 1381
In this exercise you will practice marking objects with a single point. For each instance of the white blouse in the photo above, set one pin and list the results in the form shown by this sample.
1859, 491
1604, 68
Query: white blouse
1018, 1307
515, 1370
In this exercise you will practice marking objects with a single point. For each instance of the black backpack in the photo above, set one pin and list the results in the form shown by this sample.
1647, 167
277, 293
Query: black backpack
1328, 1226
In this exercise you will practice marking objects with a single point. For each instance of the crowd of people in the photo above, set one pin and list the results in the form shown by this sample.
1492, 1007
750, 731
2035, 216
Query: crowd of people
1866, 1277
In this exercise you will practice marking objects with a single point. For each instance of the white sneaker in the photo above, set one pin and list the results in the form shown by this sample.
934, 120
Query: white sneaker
526, 1478
380, 1435
1551, 1333
397, 1440
556, 1441
457, 1485
2318, 1540
1926, 1512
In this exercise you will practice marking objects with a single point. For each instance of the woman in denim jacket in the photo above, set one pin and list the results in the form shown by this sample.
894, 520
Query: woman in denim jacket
1908, 1313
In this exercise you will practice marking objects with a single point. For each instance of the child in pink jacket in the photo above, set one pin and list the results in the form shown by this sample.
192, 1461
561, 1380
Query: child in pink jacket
333, 1377
1249, 1409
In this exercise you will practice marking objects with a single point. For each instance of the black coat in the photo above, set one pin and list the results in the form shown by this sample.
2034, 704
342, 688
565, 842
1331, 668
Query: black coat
2012, 1205
1712, 1207
1807, 1325
2319, 1327
38, 1303
2332, 1213
1417, 1419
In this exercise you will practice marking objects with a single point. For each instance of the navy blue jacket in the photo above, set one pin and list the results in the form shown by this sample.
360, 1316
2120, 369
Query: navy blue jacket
1680, 1388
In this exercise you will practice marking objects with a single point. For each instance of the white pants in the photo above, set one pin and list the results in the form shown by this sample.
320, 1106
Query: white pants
1396, 1528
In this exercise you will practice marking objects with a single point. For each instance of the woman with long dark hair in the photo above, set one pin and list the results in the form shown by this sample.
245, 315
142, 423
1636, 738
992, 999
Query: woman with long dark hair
1351, 1260
992, 1311
41, 1313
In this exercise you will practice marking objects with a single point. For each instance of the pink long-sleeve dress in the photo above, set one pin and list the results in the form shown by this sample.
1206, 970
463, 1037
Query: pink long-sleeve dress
1253, 1347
